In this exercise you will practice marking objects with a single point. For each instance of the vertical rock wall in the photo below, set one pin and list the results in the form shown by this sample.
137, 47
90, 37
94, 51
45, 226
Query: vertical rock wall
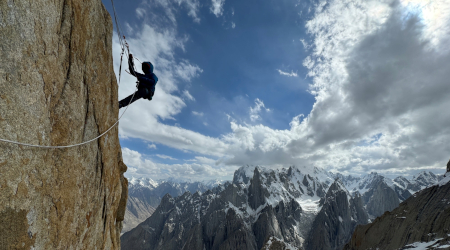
57, 87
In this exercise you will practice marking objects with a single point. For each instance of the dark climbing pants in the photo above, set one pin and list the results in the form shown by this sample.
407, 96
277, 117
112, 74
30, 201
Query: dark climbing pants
141, 93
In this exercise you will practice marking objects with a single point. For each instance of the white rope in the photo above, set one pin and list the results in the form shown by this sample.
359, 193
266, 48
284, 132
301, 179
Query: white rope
74, 145
122, 43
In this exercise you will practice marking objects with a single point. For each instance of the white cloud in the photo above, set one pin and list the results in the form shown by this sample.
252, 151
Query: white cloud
203, 160
151, 146
380, 82
187, 71
140, 12
434, 16
254, 111
305, 44
188, 95
217, 7
129, 28
140, 166
292, 74
165, 157
172, 6
377, 80
233, 25
197, 113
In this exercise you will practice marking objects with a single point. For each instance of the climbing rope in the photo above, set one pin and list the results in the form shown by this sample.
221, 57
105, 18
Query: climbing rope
123, 44
74, 145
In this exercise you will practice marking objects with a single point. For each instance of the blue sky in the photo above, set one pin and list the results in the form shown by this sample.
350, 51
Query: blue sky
334, 84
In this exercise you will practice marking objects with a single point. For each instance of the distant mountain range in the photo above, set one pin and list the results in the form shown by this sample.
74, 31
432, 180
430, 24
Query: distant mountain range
421, 222
306, 208
145, 194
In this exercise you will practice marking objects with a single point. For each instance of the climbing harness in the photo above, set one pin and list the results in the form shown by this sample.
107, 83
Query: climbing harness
123, 44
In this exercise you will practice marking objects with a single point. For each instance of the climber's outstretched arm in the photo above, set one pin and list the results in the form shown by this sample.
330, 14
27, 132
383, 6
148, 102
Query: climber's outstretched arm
131, 67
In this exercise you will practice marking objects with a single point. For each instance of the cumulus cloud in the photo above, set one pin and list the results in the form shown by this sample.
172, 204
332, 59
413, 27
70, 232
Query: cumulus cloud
379, 72
292, 74
141, 166
217, 7
233, 25
380, 96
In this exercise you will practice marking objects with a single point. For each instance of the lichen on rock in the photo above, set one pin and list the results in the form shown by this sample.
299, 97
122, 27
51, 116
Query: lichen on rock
57, 87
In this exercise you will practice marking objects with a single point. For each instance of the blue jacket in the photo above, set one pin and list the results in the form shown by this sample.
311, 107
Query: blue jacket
148, 80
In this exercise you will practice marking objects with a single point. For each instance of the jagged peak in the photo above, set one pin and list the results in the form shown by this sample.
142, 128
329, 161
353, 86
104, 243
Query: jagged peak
424, 176
244, 174
336, 187
144, 182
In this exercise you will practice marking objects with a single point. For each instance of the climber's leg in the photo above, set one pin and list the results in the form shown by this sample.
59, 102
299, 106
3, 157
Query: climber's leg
138, 95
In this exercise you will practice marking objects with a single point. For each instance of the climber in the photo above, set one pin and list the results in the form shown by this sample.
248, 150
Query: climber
147, 82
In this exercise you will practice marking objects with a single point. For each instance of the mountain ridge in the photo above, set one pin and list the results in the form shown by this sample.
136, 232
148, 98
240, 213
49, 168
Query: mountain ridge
423, 219
263, 203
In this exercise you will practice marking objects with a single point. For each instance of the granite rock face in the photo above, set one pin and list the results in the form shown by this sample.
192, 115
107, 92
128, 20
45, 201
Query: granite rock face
57, 87
337, 219
380, 199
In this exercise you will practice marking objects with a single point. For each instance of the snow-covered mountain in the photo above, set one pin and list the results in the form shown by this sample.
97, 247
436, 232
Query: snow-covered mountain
145, 194
288, 205
382, 194
419, 182
421, 222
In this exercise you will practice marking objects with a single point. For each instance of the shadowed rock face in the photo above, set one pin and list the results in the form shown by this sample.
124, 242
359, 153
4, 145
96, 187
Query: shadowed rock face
143, 198
423, 217
57, 87
382, 199
137, 211
336, 220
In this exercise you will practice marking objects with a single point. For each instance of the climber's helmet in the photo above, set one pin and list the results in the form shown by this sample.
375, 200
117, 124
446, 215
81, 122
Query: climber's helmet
147, 67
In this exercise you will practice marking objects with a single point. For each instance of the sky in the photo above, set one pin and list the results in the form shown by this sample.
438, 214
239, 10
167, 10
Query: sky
351, 86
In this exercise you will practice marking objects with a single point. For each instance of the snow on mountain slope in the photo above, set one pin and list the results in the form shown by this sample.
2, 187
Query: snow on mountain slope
306, 185
143, 182
145, 194
261, 203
